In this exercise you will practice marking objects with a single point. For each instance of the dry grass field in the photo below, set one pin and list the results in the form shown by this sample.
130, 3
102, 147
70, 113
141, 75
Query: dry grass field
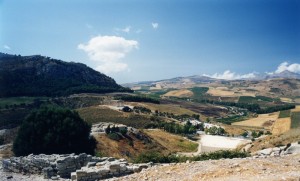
222, 92
290, 136
122, 148
287, 100
233, 130
226, 92
179, 93
263, 120
281, 125
297, 109
162, 142
173, 143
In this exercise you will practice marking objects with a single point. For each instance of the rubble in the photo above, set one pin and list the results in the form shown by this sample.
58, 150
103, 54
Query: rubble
80, 167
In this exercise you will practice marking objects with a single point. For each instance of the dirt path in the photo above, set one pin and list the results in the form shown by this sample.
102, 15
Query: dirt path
272, 168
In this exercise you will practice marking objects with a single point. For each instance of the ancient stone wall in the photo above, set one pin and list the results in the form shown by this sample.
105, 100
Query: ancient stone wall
80, 167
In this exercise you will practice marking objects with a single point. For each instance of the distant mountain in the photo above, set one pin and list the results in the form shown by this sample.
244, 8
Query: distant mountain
43, 76
195, 79
178, 82
284, 74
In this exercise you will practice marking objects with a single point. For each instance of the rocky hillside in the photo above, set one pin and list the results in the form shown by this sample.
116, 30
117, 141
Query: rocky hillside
270, 168
43, 76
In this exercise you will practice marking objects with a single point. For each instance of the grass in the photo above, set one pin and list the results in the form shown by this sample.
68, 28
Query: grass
17, 100
295, 118
129, 147
199, 92
255, 100
170, 108
159, 158
173, 143
284, 114
101, 114
232, 119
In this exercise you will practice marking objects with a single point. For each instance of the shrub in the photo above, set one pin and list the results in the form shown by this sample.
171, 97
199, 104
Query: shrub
52, 130
114, 136
156, 157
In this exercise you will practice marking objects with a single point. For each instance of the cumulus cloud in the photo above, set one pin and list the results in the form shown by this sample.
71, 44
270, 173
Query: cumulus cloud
108, 51
290, 67
228, 75
154, 25
6, 47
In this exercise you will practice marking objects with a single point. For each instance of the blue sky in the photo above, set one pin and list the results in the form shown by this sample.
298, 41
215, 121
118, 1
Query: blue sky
150, 40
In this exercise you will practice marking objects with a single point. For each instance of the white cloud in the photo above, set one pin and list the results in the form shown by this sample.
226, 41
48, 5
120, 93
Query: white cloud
112, 67
154, 25
6, 47
108, 51
228, 75
290, 67
126, 29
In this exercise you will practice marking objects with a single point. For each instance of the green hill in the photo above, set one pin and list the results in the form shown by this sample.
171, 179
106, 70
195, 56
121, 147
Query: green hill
43, 76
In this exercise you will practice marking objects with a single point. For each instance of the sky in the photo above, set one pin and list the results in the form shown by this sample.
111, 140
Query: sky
132, 40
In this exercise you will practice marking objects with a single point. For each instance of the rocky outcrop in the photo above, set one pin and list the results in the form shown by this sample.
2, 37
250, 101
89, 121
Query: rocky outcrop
80, 167
293, 148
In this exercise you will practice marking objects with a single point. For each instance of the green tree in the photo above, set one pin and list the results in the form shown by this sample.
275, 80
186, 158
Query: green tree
53, 130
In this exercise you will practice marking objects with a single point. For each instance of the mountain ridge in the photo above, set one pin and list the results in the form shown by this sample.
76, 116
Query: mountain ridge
206, 79
38, 75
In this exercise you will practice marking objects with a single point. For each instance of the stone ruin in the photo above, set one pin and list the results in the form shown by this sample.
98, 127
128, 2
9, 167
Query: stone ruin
80, 167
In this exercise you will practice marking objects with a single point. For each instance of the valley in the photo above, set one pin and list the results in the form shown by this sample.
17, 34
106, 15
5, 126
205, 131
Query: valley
170, 121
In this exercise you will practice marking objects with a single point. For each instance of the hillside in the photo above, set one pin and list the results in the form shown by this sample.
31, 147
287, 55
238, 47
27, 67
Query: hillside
43, 76
271, 168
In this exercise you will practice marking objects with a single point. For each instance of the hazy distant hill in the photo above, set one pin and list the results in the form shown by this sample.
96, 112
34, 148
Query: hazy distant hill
284, 74
43, 76
198, 79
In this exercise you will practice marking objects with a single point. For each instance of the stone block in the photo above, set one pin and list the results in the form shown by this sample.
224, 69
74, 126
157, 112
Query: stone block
73, 176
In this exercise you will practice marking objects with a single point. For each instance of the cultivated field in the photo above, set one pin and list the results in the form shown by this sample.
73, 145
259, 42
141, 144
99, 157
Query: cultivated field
220, 91
287, 100
295, 118
297, 109
281, 125
96, 114
263, 121
179, 93
171, 108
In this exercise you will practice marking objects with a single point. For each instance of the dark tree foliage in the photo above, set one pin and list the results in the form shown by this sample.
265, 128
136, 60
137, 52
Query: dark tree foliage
127, 109
276, 108
52, 130
43, 76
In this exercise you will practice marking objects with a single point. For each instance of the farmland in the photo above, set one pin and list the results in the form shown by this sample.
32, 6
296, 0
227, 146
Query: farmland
295, 118
262, 121
98, 114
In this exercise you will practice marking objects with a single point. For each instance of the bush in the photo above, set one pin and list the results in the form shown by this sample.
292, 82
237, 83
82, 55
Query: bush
52, 130
114, 136
156, 157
